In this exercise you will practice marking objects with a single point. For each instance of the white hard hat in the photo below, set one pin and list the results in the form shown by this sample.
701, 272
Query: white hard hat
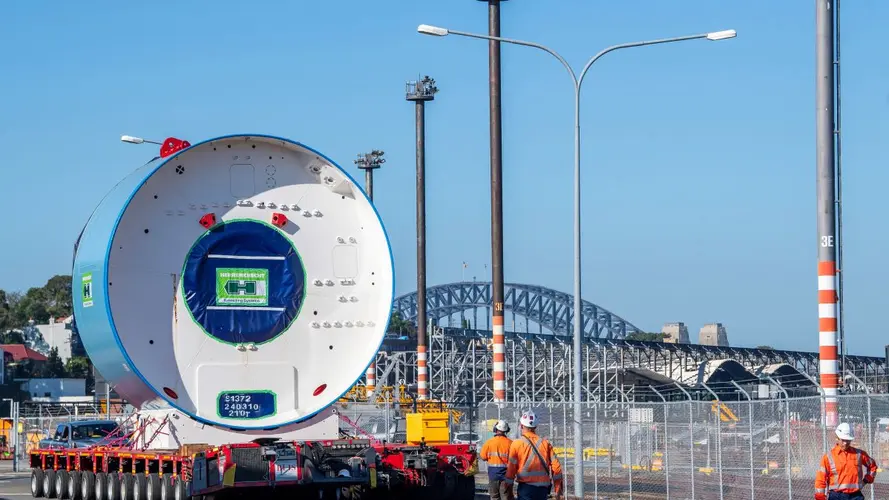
844, 432
529, 419
501, 426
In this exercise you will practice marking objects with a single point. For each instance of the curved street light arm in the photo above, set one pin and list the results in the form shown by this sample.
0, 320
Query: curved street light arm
521, 42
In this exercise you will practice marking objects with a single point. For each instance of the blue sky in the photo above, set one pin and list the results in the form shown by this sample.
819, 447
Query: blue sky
698, 158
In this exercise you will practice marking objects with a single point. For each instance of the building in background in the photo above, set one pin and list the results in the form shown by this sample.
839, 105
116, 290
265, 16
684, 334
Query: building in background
57, 333
675, 333
713, 334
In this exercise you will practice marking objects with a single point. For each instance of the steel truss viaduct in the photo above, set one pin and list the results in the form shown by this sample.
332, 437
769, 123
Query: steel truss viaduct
539, 359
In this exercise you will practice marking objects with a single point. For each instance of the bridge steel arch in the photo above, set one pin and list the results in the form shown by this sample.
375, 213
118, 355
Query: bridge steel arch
539, 365
549, 308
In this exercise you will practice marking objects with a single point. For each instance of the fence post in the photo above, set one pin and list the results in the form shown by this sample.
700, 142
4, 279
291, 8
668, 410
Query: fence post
870, 439
691, 437
626, 403
596, 448
750, 441
718, 437
666, 454
16, 449
786, 436
823, 396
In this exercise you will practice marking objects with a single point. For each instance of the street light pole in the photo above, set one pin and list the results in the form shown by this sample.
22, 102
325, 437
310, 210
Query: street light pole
578, 304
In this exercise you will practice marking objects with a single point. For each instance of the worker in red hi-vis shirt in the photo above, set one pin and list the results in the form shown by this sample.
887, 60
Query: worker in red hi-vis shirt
844, 469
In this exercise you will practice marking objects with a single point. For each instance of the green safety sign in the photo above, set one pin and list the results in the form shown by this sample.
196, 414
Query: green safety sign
242, 287
86, 281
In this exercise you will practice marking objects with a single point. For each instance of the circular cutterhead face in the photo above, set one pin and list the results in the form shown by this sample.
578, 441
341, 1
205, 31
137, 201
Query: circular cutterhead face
250, 282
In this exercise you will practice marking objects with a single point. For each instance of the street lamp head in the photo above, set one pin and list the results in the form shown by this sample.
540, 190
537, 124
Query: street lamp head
721, 35
431, 30
131, 139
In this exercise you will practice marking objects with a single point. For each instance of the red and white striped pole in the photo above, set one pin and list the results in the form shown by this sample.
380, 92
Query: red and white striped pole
422, 373
827, 333
371, 376
499, 358
826, 204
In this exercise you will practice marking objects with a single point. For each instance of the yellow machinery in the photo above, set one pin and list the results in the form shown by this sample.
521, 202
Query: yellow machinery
430, 428
725, 413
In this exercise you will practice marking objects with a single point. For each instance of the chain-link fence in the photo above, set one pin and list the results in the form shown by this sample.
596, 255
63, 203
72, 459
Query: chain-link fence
696, 449
732, 446
36, 421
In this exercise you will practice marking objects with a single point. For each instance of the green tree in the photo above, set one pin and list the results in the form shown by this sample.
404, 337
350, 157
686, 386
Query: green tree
78, 367
646, 336
54, 368
765, 347
399, 325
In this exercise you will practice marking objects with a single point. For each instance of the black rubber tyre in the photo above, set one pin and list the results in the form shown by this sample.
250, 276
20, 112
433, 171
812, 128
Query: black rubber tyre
37, 483
74, 479
49, 483
101, 486
87, 485
140, 486
153, 487
180, 489
126, 486
168, 488
113, 489
62, 478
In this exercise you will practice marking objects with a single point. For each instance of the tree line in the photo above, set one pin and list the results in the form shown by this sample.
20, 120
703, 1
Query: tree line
19, 312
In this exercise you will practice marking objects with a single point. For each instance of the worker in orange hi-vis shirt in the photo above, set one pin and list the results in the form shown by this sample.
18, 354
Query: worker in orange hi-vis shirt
533, 467
844, 470
496, 452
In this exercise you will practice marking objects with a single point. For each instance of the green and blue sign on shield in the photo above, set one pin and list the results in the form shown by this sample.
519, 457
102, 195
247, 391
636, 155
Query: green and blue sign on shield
242, 287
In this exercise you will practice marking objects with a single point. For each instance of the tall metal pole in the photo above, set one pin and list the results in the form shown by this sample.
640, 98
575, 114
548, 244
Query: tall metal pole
370, 162
420, 92
497, 290
839, 162
826, 197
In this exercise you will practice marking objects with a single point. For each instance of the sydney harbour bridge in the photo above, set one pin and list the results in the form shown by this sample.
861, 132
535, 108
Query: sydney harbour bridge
539, 354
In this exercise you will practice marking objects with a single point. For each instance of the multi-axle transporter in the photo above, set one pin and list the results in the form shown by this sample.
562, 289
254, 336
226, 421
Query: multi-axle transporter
232, 291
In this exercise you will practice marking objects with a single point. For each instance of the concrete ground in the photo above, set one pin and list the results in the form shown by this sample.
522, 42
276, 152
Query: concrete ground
14, 485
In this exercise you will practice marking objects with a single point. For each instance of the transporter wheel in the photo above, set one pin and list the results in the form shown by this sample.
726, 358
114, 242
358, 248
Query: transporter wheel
37, 482
167, 490
112, 492
180, 489
75, 477
140, 486
126, 486
87, 485
101, 486
153, 487
49, 484
62, 480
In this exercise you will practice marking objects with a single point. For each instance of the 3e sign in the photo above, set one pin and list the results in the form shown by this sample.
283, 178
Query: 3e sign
246, 405
827, 241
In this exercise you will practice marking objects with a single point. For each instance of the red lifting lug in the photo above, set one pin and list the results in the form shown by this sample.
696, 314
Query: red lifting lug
279, 220
208, 220
173, 145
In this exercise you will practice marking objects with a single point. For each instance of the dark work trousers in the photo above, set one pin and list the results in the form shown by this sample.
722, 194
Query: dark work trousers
528, 492
836, 495
499, 490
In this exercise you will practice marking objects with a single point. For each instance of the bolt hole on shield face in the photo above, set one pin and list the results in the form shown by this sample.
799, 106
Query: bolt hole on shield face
223, 321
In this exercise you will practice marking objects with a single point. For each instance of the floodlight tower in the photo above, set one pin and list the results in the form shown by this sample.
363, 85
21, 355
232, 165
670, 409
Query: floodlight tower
370, 162
421, 91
